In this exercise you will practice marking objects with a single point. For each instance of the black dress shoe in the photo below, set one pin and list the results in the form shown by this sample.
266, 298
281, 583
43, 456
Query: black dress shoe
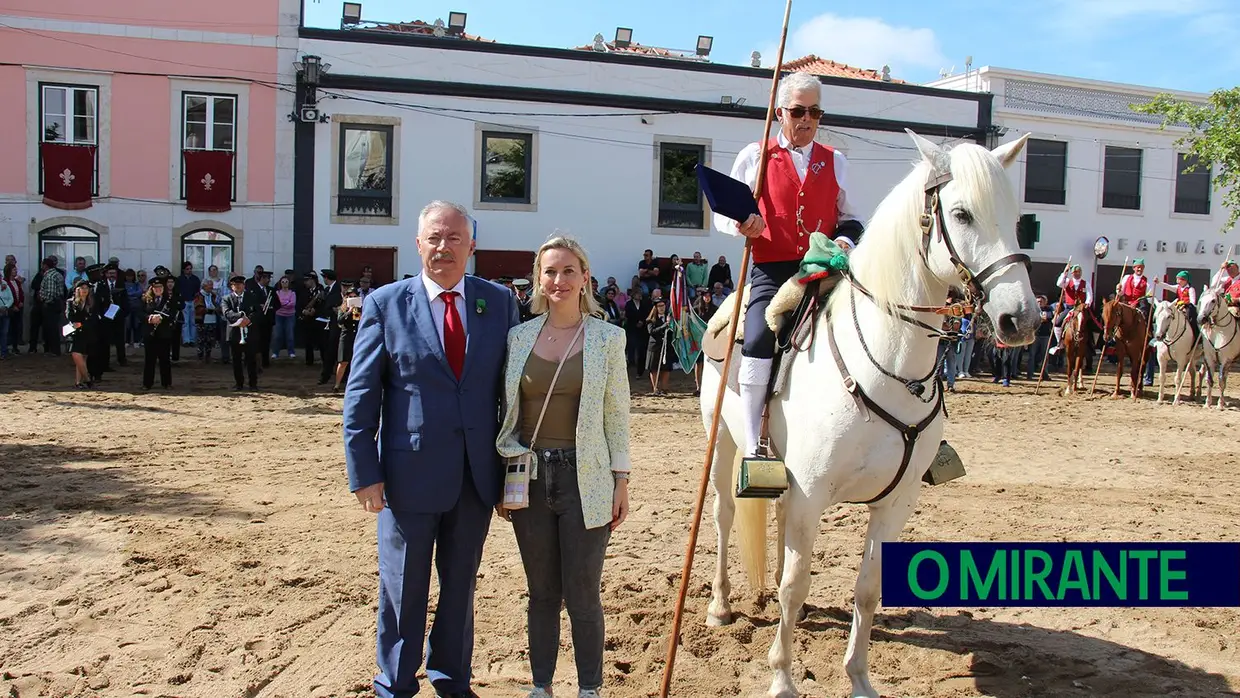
458, 694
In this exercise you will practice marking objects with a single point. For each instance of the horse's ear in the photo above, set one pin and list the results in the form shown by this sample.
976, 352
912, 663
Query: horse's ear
933, 154
1008, 152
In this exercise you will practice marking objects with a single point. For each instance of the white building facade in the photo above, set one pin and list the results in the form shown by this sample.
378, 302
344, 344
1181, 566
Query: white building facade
1093, 167
598, 145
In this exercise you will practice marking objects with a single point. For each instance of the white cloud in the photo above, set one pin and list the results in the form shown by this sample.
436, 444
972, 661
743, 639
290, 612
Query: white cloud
863, 42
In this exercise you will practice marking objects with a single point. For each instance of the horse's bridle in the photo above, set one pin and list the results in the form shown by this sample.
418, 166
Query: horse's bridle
933, 213
975, 292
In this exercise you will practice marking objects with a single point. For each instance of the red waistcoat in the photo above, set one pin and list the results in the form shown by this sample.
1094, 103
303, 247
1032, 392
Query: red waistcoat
783, 193
1074, 292
1181, 293
1134, 292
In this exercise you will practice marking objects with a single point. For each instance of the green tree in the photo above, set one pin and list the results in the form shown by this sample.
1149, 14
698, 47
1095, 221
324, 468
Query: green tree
1214, 137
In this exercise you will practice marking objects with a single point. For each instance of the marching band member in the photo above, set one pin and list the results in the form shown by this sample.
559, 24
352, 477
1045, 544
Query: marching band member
161, 313
348, 318
241, 310
80, 312
327, 325
806, 191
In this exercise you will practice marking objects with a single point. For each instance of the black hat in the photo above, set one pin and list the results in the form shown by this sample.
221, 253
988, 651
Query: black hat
95, 268
157, 281
310, 276
521, 283
504, 280
264, 275
161, 270
236, 279
727, 197
80, 282
329, 274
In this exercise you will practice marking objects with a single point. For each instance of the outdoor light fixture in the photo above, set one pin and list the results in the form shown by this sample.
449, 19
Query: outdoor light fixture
456, 22
311, 69
352, 13
726, 100
624, 37
704, 44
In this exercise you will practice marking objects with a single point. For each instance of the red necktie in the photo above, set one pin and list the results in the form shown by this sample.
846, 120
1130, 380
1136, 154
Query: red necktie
453, 333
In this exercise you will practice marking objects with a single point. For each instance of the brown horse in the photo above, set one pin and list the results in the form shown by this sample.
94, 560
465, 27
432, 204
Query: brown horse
1077, 344
1126, 326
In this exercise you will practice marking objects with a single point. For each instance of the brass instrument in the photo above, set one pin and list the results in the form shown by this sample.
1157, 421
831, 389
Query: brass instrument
312, 305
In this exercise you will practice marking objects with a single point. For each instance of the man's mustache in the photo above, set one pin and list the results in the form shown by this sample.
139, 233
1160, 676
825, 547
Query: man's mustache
442, 257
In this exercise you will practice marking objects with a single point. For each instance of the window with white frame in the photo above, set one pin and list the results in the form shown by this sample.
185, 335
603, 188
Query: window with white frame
70, 114
1192, 184
209, 122
67, 243
1046, 172
206, 247
1121, 178
507, 167
365, 176
680, 199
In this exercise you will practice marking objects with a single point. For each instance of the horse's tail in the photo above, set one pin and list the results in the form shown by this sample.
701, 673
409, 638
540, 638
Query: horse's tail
751, 518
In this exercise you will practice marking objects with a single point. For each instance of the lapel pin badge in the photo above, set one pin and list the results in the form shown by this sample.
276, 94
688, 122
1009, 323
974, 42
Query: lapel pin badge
480, 305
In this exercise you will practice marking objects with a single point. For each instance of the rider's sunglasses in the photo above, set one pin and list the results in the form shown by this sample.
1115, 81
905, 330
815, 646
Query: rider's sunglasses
797, 112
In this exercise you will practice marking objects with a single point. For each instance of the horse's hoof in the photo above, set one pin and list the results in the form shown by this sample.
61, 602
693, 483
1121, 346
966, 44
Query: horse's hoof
803, 613
717, 620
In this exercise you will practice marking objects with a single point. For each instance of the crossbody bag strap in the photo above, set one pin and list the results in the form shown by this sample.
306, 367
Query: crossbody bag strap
550, 388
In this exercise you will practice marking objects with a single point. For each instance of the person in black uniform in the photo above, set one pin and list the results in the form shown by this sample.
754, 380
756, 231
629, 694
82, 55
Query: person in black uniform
309, 313
242, 309
161, 312
99, 347
80, 312
329, 325
118, 296
348, 317
265, 323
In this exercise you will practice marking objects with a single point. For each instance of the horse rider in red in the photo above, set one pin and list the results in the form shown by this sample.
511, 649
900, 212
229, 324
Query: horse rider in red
1228, 272
1135, 289
805, 191
1185, 297
1075, 292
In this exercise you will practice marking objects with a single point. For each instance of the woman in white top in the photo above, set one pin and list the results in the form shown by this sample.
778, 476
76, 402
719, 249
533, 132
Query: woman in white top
578, 492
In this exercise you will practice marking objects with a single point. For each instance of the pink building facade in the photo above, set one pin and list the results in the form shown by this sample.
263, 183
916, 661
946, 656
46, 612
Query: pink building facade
138, 129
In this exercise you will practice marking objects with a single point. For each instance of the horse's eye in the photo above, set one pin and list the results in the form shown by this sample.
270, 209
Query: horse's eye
962, 216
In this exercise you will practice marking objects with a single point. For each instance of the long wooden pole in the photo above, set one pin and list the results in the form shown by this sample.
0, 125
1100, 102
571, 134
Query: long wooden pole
1102, 354
1200, 335
1046, 355
673, 640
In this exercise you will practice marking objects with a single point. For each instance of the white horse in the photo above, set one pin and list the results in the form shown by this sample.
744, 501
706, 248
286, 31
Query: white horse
1175, 342
835, 448
1218, 342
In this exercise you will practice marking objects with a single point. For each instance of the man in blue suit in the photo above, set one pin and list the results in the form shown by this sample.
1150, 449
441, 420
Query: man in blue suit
421, 411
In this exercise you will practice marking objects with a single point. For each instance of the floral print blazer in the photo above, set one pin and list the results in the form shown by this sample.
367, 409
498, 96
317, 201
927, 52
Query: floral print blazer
602, 433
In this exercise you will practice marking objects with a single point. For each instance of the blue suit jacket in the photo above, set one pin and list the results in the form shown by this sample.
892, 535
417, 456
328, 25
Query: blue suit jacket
408, 421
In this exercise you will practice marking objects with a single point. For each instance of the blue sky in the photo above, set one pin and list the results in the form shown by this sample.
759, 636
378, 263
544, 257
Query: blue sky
1175, 44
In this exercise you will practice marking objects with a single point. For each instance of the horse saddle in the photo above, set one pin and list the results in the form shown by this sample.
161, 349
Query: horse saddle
786, 316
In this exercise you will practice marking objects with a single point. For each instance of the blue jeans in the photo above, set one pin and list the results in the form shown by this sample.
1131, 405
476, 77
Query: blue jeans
964, 355
4, 335
283, 336
189, 331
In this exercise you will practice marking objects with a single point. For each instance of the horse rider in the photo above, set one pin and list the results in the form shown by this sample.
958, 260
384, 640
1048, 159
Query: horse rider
1227, 273
1185, 297
1075, 292
806, 191
1136, 290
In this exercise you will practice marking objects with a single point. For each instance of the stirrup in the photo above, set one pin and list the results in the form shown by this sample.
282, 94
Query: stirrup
946, 466
763, 476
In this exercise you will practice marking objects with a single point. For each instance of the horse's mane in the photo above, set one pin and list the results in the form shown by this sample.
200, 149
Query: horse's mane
887, 260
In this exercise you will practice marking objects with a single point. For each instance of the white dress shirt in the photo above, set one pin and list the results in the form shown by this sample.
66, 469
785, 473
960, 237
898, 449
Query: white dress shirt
439, 306
1066, 278
745, 169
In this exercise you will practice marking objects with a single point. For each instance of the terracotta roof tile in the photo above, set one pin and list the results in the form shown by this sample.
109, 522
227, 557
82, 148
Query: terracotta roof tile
818, 66
417, 26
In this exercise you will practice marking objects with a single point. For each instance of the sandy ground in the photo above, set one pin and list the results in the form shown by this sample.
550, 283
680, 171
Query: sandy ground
200, 543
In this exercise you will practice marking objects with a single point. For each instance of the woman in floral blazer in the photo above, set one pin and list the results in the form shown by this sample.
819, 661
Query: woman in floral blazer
578, 492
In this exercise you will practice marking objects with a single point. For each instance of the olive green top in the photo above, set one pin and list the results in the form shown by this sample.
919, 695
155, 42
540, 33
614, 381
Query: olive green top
559, 425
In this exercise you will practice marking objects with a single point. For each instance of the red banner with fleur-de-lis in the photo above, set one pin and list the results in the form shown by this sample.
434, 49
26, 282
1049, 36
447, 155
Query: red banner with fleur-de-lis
68, 174
208, 180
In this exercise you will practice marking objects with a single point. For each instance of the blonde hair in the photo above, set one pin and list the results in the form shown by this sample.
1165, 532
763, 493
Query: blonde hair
538, 302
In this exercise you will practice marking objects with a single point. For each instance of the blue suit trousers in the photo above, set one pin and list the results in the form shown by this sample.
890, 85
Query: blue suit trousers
407, 543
